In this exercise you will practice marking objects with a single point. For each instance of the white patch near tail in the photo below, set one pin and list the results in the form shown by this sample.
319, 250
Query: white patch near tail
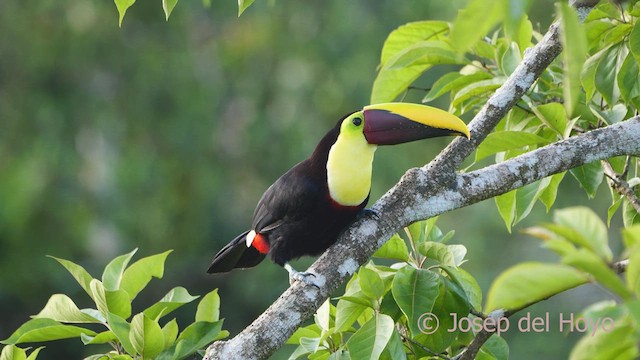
250, 236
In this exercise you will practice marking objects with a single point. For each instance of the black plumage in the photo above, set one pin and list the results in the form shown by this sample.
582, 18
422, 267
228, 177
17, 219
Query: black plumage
296, 215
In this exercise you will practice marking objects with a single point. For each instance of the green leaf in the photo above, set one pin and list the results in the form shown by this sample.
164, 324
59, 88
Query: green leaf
560, 246
589, 176
458, 251
484, 50
119, 303
548, 196
613, 208
507, 140
527, 196
311, 345
525, 32
170, 333
371, 339
175, 298
395, 348
122, 6
358, 298
121, 328
588, 76
553, 115
610, 115
417, 231
452, 82
61, 308
12, 352
498, 347
113, 272
371, 284
589, 226
628, 79
590, 263
634, 8
311, 331
209, 307
629, 214
116, 302
574, 42
506, 204
451, 300
605, 78
439, 87
389, 307
477, 88
415, 291
146, 336
515, 10
243, 5
78, 272
101, 338
530, 282
167, 6
43, 329
34, 353
409, 34
510, 59
448, 255
631, 236
430, 52
468, 283
394, 248
195, 337
99, 296
392, 82
634, 41
322, 316
138, 275
618, 343
475, 21
346, 314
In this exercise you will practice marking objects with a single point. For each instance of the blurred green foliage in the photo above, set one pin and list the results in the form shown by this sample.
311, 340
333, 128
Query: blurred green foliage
163, 135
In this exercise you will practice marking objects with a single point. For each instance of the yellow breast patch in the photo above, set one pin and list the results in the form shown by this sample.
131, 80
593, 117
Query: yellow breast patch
349, 169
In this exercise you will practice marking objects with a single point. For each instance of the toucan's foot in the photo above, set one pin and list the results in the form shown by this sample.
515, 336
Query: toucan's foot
295, 275
369, 212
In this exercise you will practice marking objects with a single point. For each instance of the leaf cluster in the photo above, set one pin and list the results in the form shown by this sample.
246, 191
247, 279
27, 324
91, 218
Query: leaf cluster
111, 321
579, 237
593, 84
401, 311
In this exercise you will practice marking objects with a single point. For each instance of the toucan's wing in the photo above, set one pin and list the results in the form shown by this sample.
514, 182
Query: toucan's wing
292, 196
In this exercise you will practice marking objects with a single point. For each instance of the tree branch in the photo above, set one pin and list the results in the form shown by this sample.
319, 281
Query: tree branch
427, 192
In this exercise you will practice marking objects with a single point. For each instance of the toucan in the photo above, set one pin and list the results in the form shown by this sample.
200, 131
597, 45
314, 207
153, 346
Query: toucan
304, 211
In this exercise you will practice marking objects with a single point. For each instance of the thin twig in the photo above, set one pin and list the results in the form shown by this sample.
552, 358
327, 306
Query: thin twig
621, 186
423, 348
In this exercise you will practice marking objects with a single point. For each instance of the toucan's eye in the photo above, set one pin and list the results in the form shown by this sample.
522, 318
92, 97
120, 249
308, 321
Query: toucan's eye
356, 121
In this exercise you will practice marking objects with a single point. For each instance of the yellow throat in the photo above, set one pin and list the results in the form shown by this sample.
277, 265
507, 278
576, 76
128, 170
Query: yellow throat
349, 169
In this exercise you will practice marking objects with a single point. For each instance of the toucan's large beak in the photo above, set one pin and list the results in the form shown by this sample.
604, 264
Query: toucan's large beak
397, 123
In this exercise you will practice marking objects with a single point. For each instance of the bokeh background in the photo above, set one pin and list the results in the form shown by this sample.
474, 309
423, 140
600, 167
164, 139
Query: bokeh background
163, 135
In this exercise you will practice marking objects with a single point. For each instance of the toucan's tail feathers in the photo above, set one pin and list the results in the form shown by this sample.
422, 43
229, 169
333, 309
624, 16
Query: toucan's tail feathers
235, 255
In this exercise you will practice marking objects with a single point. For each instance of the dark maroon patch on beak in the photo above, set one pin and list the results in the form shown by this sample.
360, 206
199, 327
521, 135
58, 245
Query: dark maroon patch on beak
382, 127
